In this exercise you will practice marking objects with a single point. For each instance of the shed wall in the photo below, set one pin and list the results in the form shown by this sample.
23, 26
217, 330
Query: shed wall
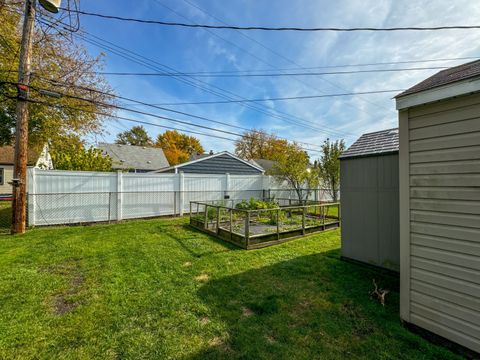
370, 210
440, 207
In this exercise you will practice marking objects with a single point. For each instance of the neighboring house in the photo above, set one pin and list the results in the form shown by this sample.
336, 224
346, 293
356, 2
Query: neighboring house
219, 163
265, 164
369, 183
136, 159
439, 160
35, 159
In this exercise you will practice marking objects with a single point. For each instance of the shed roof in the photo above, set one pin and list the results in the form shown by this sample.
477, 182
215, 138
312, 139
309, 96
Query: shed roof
445, 77
375, 143
265, 164
135, 157
212, 156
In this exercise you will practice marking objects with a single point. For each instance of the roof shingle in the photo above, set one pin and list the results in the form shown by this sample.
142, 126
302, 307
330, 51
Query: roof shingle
379, 142
445, 77
135, 157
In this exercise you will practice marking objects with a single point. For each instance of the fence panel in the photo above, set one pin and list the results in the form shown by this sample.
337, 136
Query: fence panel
67, 197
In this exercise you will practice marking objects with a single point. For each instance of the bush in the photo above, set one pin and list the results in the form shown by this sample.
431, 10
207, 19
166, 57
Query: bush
254, 204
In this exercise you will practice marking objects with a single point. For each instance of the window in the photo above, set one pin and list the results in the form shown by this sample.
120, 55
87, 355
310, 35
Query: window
1, 176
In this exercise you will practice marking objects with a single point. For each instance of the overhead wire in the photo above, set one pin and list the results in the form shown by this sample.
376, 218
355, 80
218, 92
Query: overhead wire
275, 28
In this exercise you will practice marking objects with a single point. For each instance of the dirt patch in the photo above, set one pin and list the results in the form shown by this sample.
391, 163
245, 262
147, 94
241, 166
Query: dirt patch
187, 264
204, 320
62, 302
202, 277
246, 312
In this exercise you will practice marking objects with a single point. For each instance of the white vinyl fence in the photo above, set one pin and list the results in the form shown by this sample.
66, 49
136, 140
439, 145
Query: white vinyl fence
68, 197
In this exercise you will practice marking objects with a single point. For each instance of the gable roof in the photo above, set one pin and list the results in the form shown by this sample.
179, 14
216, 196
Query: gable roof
134, 157
7, 156
265, 164
445, 77
375, 143
208, 157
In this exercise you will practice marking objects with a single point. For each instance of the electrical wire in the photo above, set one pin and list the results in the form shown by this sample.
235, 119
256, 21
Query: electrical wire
267, 28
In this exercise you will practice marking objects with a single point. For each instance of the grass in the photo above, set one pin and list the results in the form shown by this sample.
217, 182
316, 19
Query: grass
158, 289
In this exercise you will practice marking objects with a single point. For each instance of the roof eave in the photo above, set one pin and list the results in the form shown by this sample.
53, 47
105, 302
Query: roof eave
459, 88
369, 155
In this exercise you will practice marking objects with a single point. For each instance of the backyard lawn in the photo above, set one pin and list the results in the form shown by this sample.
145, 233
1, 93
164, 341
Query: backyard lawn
158, 289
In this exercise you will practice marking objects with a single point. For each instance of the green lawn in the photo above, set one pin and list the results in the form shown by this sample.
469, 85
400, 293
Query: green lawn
157, 289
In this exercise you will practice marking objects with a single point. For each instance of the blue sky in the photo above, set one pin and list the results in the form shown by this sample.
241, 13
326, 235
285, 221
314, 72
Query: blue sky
193, 50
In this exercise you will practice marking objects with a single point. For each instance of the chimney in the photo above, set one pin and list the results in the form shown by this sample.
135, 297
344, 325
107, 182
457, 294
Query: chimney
211, 152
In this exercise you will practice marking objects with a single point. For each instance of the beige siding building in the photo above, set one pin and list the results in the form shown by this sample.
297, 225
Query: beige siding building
439, 122
40, 160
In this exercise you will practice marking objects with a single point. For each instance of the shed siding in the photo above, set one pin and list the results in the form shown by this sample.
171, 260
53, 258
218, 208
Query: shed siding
370, 218
221, 164
444, 219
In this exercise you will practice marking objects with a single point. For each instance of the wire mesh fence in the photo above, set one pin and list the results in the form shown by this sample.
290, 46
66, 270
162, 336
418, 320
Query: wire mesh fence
5, 215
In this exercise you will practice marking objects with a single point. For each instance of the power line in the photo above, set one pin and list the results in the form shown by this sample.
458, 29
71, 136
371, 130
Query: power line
217, 75
149, 105
105, 105
144, 61
282, 98
266, 28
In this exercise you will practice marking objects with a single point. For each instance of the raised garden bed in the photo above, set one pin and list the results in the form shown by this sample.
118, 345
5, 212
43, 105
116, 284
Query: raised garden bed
256, 223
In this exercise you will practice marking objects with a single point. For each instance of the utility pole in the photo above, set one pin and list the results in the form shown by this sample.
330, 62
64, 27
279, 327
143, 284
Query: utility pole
19, 182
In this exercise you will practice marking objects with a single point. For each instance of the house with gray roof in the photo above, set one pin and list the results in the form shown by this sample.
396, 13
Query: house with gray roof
134, 158
219, 163
370, 205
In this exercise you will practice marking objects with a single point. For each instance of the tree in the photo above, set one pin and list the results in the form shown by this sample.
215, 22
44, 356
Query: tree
257, 144
137, 135
71, 154
293, 166
329, 166
60, 66
178, 147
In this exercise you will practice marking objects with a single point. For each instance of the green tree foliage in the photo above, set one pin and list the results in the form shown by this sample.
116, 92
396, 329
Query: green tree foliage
137, 135
293, 166
257, 144
58, 65
329, 165
178, 147
72, 154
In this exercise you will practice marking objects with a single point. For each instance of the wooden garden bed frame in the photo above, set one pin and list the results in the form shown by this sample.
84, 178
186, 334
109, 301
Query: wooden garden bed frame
247, 240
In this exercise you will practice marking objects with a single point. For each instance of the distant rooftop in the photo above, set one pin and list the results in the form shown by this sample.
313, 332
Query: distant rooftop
265, 164
445, 77
379, 142
135, 157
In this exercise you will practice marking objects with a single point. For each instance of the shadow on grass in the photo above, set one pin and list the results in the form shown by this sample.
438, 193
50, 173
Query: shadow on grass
311, 307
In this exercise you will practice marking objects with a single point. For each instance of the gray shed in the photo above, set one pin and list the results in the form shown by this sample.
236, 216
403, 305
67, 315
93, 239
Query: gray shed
369, 190
219, 163
439, 122
132, 158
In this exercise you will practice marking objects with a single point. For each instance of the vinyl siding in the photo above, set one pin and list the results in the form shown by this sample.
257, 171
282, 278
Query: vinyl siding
221, 164
370, 218
5, 188
444, 219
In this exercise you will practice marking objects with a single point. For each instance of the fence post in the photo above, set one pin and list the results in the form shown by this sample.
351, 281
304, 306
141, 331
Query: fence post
218, 219
231, 224
227, 185
190, 220
181, 185
206, 217
278, 224
247, 229
31, 200
303, 219
119, 200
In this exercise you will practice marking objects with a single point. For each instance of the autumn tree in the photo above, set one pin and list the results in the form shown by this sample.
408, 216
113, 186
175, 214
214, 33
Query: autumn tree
293, 166
137, 135
258, 144
329, 166
70, 153
59, 65
178, 147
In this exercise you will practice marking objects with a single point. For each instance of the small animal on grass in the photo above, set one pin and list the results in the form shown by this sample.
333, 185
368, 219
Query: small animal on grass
378, 293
